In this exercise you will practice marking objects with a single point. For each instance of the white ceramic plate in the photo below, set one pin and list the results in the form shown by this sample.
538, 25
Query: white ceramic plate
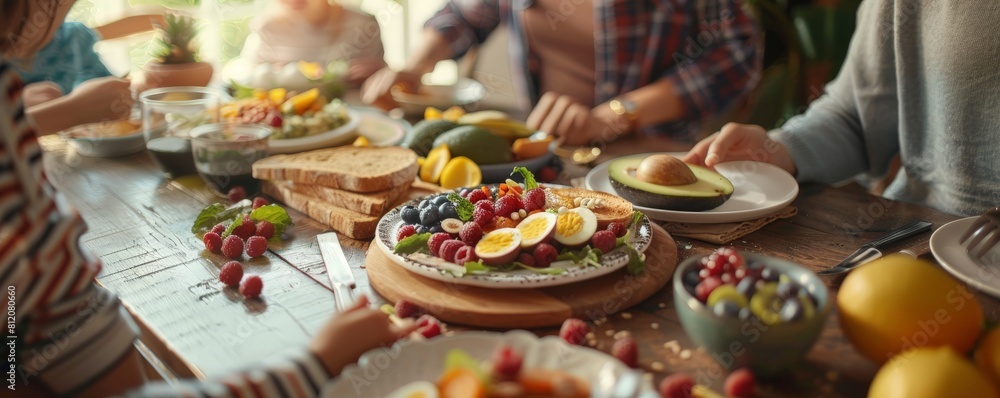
381, 371
981, 274
338, 136
760, 189
380, 129
385, 236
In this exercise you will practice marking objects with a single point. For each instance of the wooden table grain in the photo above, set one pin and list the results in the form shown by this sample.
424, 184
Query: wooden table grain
140, 226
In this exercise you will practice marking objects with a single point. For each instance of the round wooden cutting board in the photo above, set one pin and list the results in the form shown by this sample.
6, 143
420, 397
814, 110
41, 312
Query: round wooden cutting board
525, 308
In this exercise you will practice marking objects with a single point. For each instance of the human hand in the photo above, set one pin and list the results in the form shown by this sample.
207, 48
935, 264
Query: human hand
377, 90
360, 69
353, 332
102, 99
740, 142
576, 124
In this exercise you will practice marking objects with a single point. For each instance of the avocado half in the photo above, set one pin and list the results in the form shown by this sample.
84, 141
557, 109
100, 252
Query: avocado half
710, 191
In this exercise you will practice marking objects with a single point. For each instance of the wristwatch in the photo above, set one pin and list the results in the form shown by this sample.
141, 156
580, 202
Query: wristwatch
627, 110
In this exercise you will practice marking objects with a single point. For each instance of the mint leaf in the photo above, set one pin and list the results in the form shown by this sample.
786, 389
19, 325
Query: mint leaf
529, 179
636, 261
274, 214
544, 271
412, 244
237, 222
207, 218
463, 206
476, 266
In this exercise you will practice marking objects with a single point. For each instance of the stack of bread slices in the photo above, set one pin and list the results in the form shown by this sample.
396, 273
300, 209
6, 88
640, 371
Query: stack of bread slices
347, 188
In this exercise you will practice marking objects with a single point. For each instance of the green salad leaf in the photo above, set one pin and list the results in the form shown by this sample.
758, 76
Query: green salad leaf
545, 271
529, 178
636, 216
476, 266
586, 256
412, 244
636, 261
463, 206
274, 214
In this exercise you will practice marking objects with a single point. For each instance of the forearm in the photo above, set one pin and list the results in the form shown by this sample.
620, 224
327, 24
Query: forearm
53, 116
129, 26
433, 49
656, 103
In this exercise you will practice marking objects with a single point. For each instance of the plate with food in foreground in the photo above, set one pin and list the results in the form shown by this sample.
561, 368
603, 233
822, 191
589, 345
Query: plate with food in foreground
666, 189
481, 364
515, 235
106, 139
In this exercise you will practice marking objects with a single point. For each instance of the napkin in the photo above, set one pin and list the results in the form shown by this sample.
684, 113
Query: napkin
722, 233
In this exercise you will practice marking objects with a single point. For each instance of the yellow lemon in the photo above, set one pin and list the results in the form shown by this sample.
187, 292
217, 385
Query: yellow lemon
453, 113
930, 372
432, 113
897, 303
277, 95
431, 170
460, 172
988, 356
362, 142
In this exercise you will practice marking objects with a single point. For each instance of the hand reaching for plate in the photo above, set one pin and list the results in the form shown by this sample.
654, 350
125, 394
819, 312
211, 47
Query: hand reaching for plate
740, 142
574, 123
353, 332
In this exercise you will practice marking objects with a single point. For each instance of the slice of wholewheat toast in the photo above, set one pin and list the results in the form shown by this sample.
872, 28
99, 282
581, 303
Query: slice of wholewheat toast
364, 170
353, 224
372, 203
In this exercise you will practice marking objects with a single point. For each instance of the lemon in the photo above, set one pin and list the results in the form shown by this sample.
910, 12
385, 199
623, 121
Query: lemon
930, 372
897, 303
432, 113
460, 172
988, 356
431, 170
362, 142
453, 113
277, 95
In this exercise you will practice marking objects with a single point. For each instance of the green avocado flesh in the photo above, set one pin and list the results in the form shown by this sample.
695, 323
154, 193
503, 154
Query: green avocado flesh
710, 191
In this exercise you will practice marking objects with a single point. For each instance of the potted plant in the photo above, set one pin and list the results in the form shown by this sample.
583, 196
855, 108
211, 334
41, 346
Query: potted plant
175, 60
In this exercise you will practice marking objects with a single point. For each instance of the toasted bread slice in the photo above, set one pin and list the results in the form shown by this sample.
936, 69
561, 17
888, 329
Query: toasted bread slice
372, 203
370, 169
610, 208
353, 224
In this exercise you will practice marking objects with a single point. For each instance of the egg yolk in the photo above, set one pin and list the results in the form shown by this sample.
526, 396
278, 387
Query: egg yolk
495, 242
569, 223
533, 229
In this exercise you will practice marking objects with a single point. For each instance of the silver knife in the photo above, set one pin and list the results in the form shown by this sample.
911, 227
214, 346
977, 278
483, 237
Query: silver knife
337, 268
873, 250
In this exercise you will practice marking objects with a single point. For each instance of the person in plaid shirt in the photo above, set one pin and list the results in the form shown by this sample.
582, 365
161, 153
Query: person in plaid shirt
659, 67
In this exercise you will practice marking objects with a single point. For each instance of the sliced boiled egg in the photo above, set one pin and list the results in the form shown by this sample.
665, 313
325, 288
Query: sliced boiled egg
499, 246
575, 226
536, 228
416, 389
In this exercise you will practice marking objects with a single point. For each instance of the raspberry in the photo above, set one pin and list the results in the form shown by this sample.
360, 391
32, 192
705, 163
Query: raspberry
722, 260
534, 199
251, 286
406, 309
471, 233
256, 246
477, 196
237, 194
483, 216
677, 385
526, 259
259, 202
405, 231
464, 193
246, 229
213, 242
706, 287
506, 364
428, 326
627, 351
488, 205
740, 383
232, 247
545, 254
617, 228
231, 273
507, 205
265, 229
434, 243
603, 240
548, 174
574, 331
465, 254
449, 248
219, 229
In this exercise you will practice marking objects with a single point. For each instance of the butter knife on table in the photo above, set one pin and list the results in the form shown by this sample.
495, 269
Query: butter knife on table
873, 250
337, 268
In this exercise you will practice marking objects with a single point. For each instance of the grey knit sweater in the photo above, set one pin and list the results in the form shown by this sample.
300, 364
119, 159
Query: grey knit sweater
922, 79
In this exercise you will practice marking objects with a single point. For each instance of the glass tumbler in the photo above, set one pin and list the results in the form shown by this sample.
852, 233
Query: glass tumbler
168, 116
224, 154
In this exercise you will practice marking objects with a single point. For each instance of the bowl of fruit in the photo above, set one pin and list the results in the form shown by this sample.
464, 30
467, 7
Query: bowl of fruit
749, 310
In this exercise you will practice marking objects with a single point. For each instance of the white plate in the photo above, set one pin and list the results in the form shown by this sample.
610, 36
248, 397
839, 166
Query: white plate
951, 254
383, 370
760, 189
385, 236
338, 136
380, 129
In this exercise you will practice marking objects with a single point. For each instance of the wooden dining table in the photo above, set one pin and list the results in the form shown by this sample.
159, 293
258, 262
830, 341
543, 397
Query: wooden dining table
140, 225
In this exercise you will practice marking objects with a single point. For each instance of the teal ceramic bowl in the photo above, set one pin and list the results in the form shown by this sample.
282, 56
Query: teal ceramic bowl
768, 350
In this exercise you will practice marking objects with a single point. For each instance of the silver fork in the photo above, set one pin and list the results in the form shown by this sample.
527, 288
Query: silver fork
987, 225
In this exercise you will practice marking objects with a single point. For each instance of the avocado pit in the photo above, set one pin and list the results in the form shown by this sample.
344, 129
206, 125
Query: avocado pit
665, 170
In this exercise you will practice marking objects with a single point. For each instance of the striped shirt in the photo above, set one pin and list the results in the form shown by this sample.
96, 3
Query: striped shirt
69, 331
708, 49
